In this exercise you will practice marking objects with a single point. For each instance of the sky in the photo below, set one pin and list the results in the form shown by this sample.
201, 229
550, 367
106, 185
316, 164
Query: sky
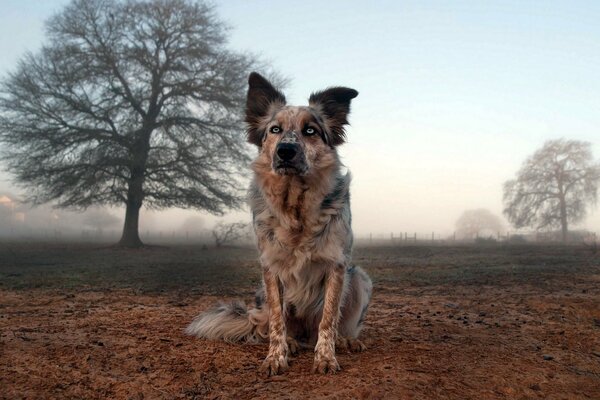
453, 95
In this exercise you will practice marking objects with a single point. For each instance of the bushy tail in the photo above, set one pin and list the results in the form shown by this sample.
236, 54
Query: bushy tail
231, 322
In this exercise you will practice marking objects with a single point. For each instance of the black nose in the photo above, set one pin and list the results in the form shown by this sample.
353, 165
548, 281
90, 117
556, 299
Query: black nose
286, 151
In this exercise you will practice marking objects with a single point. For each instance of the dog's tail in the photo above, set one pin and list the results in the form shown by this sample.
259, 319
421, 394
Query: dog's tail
231, 322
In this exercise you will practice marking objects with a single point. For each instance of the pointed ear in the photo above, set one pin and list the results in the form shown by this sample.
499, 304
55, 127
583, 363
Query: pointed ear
261, 96
334, 103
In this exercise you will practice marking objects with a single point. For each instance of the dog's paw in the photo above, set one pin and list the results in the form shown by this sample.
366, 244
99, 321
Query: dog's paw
350, 345
274, 364
325, 363
293, 345
356, 345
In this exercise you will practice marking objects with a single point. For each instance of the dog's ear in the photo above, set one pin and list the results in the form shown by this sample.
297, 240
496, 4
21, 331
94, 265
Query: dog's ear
334, 103
261, 96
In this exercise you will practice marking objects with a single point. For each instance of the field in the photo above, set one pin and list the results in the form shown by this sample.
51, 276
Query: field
478, 322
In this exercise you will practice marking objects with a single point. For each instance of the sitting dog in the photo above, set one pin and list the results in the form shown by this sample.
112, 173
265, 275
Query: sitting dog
312, 294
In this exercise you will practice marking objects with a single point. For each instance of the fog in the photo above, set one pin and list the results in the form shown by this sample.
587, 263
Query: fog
451, 103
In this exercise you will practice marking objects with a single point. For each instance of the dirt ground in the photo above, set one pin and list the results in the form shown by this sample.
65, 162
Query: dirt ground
84, 321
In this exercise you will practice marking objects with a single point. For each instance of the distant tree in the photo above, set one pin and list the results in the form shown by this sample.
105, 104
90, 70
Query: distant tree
225, 233
128, 102
193, 224
100, 219
554, 187
478, 222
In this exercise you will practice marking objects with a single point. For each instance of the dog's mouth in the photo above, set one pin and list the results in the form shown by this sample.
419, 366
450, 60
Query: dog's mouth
289, 168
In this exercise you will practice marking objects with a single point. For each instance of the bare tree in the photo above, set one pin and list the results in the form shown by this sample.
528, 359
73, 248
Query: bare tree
553, 187
227, 233
477, 222
129, 102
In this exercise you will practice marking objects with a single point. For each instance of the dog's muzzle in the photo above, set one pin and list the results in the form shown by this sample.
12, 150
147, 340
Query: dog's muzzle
289, 159
287, 151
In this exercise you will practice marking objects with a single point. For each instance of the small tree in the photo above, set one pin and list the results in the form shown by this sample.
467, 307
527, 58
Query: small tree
227, 233
129, 103
473, 223
554, 187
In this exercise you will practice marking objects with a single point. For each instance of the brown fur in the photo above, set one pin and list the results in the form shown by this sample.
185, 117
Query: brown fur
302, 221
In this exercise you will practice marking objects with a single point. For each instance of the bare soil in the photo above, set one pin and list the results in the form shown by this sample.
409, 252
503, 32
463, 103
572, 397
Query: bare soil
83, 321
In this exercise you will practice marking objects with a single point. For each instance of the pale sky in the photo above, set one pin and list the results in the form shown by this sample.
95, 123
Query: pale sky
453, 95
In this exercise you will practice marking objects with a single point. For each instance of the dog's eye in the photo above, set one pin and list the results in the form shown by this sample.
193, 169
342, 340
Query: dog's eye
309, 131
275, 129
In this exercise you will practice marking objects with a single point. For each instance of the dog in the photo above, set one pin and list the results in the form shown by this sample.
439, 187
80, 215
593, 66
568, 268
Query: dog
312, 294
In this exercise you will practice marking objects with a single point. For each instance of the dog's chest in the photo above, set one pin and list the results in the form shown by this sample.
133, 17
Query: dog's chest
320, 241
305, 243
300, 226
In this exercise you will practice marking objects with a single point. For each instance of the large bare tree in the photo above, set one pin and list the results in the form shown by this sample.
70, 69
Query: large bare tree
554, 187
128, 102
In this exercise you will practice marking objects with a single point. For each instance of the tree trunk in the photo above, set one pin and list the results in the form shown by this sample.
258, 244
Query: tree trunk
131, 237
135, 191
135, 197
563, 220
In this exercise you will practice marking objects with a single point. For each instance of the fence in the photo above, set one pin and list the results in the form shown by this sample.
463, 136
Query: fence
433, 238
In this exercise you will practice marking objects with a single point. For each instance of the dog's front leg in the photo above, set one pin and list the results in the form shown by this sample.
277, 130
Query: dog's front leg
276, 360
325, 360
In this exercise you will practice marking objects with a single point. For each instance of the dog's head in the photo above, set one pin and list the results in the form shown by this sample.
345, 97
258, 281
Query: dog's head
293, 139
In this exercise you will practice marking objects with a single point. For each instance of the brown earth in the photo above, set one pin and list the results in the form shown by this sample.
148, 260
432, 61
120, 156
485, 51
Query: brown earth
78, 321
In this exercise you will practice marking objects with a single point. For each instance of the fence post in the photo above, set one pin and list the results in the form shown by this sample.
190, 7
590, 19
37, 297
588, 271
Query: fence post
415, 237
432, 237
